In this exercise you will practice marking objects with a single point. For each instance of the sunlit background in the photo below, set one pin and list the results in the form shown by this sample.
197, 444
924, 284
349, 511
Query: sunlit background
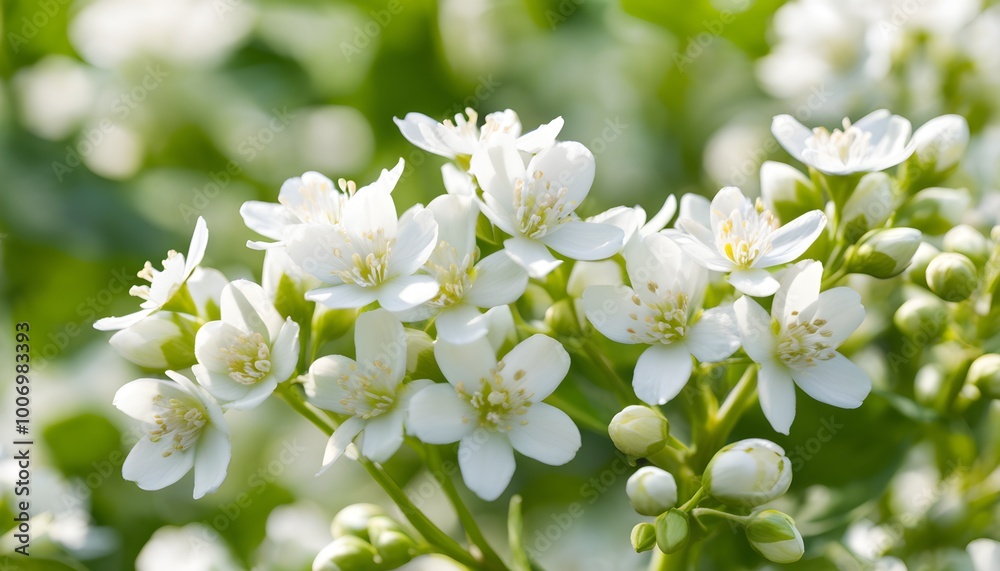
121, 121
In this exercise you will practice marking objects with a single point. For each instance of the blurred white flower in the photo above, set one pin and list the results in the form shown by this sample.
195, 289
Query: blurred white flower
876, 142
536, 205
54, 95
985, 554
308, 199
632, 220
186, 429
662, 309
495, 407
467, 283
464, 137
941, 142
194, 547
163, 284
797, 344
244, 356
370, 390
745, 239
372, 255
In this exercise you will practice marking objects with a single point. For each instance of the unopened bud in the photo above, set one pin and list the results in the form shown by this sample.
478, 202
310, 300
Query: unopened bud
966, 240
651, 491
346, 553
869, 206
164, 340
952, 277
884, 253
639, 431
420, 363
353, 520
672, 531
917, 271
561, 318
934, 211
923, 315
394, 545
643, 537
774, 535
787, 192
749, 472
941, 142
985, 374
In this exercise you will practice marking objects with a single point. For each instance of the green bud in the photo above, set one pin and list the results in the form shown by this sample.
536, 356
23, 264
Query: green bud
869, 206
985, 374
966, 240
749, 472
672, 531
940, 145
651, 491
923, 315
643, 537
774, 535
934, 211
353, 520
917, 271
952, 277
420, 363
787, 192
347, 553
639, 431
162, 341
394, 545
330, 324
561, 318
884, 253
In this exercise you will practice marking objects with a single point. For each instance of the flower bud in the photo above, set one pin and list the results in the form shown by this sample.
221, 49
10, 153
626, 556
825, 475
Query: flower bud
346, 553
787, 192
934, 211
869, 206
774, 535
952, 277
329, 324
586, 274
917, 271
420, 363
923, 315
749, 472
561, 318
985, 374
286, 284
353, 520
672, 531
394, 545
643, 537
966, 240
639, 431
161, 341
941, 142
205, 286
651, 491
884, 253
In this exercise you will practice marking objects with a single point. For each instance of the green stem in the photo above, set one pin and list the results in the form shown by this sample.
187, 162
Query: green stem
621, 388
739, 399
701, 512
695, 499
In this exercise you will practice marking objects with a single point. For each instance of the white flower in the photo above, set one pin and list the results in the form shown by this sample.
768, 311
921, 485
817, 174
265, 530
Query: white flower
749, 472
467, 283
662, 309
797, 344
632, 220
651, 491
878, 141
985, 554
536, 205
372, 255
941, 142
493, 408
280, 272
463, 138
370, 390
186, 430
309, 199
163, 341
745, 239
163, 284
249, 351
187, 548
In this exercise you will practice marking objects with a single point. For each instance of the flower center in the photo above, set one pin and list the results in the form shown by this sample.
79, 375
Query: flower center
454, 274
368, 264
319, 201
464, 128
370, 392
178, 420
745, 235
668, 322
249, 358
498, 400
848, 146
804, 342
540, 207
173, 263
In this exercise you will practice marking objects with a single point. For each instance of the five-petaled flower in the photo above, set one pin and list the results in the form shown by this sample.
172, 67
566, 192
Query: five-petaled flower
745, 238
797, 344
495, 407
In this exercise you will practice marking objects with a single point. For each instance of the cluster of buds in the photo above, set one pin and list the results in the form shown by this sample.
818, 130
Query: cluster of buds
366, 539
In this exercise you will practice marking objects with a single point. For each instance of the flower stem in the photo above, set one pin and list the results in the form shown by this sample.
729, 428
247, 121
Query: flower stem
719, 427
621, 388
701, 512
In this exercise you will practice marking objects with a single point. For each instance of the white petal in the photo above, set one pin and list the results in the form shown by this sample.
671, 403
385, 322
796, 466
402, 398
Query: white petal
457, 181
837, 382
540, 361
841, 308
793, 239
267, 218
222, 387
383, 435
406, 292
755, 329
116, 323
416, 240
585, 240
211, 461
777, 395
147, 466
499, 281
378, 336
546, 434
799, 288
569, 165
312, 247
715, 336
697, 208
246, 307
500, 214
212, 342
136, 398
699, 244
466, 363
487, 463
369, 209
661, 372
460, 323
661, 218
456, 220
791, 134
323, 388
411, 131
496, 166
387, 179
531, 255
610, 309
437, 415
346, 296
196, 251
285, 351
341, 439
755, 282
543, 136
586, 274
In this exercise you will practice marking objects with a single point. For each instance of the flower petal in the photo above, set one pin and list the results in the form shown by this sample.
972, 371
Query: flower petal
371, 208
465, 363
755, 329
793, 239
409, 126
267, 218
116, 323
378, 336
661, 372
418, 236
538, 364
497, 166
585, 240
499, 281
540, 138
756, 282
546, 434
777, 395
323, 386
136, 397
437, 415
699, 244
460, 323
661, 218
841, 308
799, 288
285, 351
531, 255
837, 382
383, 435
487, 463
196, 251
617, 312
715, 336
406, 292
456, 220
791, 134
147, 466
345, 296
569, 165
244, 305
342, 437
211, 461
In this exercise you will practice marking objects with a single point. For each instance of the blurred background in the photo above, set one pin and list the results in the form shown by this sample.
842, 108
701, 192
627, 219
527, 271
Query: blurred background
121, 121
